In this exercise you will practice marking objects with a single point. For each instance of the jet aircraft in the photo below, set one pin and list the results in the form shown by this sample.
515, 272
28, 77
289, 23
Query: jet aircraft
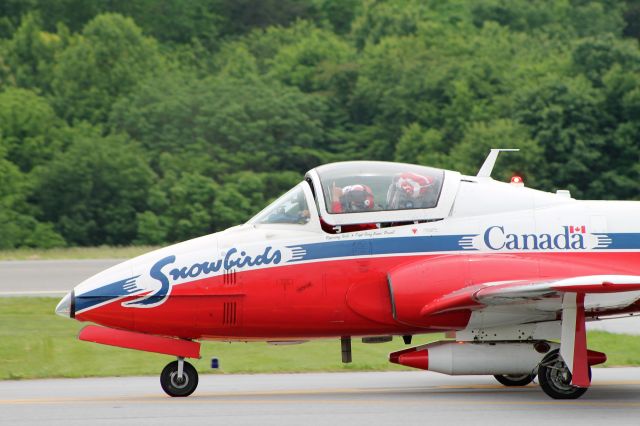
379, 249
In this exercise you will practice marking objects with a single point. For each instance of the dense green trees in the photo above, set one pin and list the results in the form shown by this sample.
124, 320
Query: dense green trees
108, 59
150, 121
93, 189
29, 127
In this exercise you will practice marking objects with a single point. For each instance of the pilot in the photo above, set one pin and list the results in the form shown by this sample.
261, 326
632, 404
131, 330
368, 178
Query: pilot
352, 199
295, 211
411, 191
303, 215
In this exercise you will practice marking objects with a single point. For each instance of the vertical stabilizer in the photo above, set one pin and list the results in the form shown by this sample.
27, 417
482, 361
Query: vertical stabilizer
490, 161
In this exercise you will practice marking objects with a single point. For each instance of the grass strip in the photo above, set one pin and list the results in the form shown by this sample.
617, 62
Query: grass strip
38, 344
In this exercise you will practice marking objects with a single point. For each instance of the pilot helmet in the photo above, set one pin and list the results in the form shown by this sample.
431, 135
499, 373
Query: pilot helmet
357, 198
409, 191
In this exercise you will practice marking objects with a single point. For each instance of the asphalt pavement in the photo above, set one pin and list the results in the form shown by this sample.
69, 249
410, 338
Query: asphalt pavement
402, 398
47, 277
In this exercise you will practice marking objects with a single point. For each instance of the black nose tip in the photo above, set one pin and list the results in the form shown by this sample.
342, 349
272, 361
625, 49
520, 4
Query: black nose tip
72, 310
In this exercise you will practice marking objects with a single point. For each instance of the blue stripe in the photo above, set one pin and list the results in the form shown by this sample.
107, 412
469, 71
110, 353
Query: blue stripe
106, 293
621, 241
380, 246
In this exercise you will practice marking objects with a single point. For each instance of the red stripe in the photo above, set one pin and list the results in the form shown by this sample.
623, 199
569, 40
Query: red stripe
580, 361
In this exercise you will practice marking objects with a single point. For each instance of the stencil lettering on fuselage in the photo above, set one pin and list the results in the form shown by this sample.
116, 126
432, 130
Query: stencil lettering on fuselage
570, 238
233, 259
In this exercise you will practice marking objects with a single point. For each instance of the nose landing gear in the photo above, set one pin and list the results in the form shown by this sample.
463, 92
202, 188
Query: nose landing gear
179, 378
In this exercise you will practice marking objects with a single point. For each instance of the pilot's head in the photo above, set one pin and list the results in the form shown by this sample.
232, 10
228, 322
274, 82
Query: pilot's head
357, 198
409, 191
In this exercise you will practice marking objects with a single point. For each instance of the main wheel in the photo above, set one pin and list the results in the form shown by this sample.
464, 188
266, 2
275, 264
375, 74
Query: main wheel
555, 378
515, 379
179, 386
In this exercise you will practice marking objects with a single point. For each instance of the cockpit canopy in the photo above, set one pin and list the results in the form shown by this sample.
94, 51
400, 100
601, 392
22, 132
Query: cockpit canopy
357, 188
359, 192
365, 192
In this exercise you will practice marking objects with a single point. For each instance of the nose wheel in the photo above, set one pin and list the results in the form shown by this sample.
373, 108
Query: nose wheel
555, 378
179, 378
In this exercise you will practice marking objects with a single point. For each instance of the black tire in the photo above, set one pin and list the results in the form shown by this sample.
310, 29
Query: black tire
555, 378
515, 379
173, 386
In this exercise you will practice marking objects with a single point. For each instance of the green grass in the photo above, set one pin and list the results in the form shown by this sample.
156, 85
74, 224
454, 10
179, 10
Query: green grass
621, 349
35, 343
103, 252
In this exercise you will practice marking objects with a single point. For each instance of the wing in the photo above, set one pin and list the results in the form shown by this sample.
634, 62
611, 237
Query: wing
567, 296
524, 291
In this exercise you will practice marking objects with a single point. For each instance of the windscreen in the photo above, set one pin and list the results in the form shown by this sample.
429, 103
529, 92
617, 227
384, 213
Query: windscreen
290, 208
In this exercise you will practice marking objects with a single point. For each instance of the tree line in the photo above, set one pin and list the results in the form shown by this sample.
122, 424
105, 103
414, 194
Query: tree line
153, 121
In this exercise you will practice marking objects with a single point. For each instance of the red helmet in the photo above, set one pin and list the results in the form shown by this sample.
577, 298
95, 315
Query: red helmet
356, 198
407, 190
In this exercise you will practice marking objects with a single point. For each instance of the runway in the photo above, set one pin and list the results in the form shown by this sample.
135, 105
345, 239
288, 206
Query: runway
47, 277
331, 398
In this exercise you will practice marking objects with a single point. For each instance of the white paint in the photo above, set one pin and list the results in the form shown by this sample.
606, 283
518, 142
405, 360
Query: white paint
521, 332
456, 358
490, 161
568, 335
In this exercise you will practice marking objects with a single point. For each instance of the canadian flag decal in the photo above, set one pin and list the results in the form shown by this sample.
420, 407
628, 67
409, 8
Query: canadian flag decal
581, 229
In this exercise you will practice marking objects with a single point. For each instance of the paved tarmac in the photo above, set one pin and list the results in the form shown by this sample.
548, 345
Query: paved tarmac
47, 277
402, 398
629, 325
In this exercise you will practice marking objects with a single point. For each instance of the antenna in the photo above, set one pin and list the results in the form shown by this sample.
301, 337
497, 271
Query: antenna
490, 161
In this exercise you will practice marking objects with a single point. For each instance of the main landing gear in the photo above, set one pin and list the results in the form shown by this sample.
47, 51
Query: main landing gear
179, 378
515, 379
555, 378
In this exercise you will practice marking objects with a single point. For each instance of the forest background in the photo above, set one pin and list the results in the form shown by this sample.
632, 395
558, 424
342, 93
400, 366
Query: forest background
152, 121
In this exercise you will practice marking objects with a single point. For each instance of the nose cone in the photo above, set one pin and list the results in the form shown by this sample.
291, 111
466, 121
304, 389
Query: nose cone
66, 307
